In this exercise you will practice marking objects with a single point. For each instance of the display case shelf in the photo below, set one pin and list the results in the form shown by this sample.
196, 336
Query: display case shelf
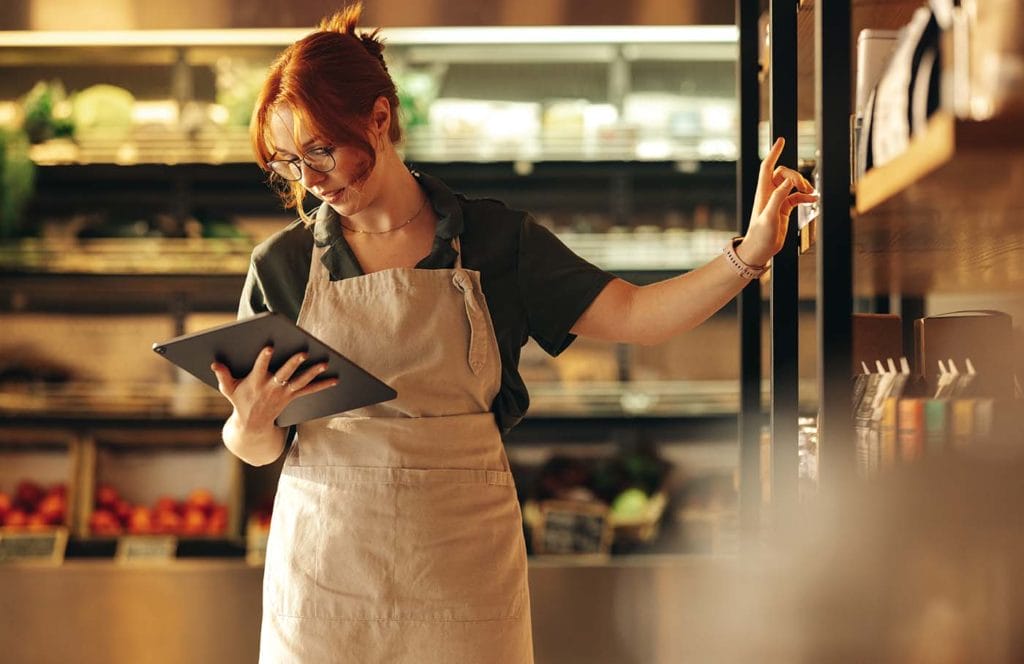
195, 402
645, 249
231, 145
691, 42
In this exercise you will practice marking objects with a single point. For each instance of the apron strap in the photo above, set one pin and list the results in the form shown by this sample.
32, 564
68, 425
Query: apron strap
457, 246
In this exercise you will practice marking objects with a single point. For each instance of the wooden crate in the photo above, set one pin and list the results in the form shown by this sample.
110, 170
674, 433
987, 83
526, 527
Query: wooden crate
146, 466
45, 457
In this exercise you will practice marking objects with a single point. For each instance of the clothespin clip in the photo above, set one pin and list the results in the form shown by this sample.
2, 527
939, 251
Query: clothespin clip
947, 379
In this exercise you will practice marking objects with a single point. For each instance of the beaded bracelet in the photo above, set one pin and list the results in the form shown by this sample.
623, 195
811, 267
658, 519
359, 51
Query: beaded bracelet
744, 270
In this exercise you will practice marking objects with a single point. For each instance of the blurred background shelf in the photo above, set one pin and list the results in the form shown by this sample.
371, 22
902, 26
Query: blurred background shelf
202, 274
193, 402
146, 202
231, 145
196, 402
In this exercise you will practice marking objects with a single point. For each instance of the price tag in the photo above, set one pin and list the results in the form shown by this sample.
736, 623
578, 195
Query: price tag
571, 527
146, 548
45, 547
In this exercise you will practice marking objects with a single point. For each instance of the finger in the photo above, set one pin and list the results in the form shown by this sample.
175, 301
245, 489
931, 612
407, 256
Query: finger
284, 374
262, 364
800, 198
799, 181
226, 383
315, 387
307, 376
768, 165
778, 197
793, 200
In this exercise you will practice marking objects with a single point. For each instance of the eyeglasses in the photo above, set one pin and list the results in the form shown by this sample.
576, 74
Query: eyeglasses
320, 160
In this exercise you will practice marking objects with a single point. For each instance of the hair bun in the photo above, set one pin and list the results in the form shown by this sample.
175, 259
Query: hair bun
343, 21
374, 47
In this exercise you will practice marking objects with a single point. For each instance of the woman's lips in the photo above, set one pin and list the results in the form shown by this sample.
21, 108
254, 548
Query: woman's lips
333, 196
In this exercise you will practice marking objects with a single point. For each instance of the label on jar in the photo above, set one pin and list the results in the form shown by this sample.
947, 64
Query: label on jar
44, 547
146, 548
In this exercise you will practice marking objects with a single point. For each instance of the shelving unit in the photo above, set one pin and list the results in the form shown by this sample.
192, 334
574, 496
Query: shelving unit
942, 218
582, 184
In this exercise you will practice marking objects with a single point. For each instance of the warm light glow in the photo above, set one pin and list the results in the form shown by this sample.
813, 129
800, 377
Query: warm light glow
692, 34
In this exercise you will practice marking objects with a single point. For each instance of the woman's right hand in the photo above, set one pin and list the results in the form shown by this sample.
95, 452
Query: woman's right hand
261, 396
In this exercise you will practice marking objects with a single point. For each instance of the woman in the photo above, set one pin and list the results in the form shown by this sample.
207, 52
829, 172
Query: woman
396, 534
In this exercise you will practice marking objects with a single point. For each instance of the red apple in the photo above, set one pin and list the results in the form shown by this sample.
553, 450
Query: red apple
27, 495
16, 518
37, 523
5, 505
106, 496
59, 489
167, 522
194, 522
104, 523
218, 523
166, 504
201, 499
53, 508
141, 521
123, 511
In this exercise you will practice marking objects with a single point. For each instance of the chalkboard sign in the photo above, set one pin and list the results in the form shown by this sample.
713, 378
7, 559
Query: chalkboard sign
45, 547
568, 527
146, 548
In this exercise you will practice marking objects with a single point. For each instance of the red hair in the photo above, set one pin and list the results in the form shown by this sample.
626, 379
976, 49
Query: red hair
331, 79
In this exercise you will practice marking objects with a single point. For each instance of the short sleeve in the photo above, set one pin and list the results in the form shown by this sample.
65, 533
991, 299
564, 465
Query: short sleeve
253, 300
556, 286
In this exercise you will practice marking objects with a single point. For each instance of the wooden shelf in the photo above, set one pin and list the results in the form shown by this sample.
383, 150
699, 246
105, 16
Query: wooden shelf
945, 216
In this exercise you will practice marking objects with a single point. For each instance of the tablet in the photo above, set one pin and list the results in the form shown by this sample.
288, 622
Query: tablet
237, 344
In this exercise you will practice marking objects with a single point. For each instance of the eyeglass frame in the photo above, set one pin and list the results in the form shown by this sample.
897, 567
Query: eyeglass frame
327, 150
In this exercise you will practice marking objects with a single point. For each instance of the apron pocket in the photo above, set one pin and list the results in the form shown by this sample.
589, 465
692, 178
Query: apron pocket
355, 557
290, 567
460, 553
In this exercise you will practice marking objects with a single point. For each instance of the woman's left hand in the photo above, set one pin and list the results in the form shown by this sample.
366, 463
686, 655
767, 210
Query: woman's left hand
774, 201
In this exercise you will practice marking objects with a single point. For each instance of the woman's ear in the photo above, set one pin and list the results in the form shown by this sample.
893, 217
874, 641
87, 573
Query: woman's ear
380, 116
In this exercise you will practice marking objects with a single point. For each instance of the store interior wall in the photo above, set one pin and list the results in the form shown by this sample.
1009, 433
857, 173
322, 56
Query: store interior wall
142, 14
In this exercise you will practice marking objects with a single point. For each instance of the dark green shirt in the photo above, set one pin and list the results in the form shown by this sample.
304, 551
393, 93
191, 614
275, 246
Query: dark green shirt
535, 286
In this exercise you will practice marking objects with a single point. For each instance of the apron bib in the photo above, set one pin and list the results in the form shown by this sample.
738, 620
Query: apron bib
397, 533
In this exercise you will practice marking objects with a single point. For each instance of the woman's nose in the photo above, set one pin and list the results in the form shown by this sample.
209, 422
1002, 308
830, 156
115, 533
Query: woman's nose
310, 176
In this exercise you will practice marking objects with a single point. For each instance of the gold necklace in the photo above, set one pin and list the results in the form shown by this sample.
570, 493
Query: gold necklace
390, 230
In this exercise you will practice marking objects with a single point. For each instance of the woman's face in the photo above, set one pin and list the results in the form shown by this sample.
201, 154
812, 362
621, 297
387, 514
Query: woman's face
348, 187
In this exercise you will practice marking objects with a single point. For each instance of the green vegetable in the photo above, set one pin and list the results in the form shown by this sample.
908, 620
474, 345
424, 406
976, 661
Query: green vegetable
40, 105
106, 106
631, 503
17, 181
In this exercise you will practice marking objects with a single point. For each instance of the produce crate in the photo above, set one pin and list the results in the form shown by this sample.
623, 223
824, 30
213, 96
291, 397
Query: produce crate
642, 527
161, 487
49, 464
589, 527
38, 475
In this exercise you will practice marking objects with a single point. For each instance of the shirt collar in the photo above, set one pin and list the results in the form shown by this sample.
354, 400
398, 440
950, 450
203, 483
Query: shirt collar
341, 262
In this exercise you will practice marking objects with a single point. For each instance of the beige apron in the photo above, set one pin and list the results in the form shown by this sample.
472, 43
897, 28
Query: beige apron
397, 535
